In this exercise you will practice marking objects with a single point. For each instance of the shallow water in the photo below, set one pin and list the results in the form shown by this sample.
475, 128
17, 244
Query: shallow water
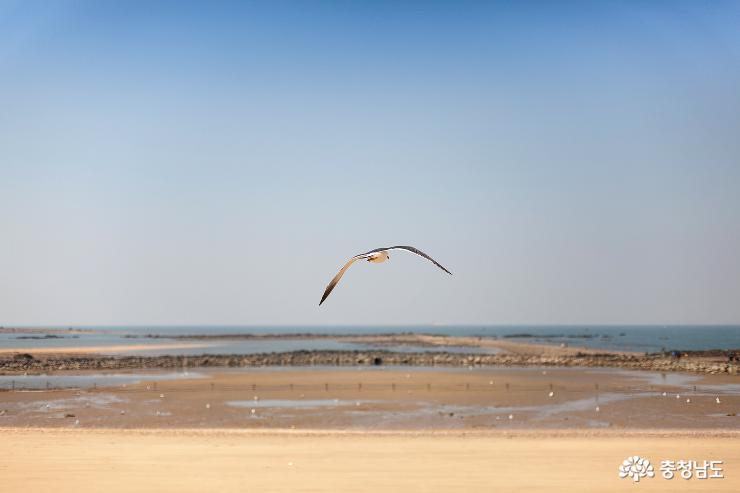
422, 408
286, 345
41, 382
673, 379
613, 337
295, 403
99, 401
207, 346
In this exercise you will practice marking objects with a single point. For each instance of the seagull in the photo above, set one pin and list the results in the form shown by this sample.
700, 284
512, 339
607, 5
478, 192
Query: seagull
375, 256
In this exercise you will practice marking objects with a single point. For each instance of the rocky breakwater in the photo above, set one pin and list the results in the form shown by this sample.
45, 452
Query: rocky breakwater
28, 363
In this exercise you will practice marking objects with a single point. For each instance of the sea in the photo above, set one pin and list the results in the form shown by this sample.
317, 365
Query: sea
640, 338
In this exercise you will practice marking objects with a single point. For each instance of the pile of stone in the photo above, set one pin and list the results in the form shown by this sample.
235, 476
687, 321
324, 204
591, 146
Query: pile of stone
656, 362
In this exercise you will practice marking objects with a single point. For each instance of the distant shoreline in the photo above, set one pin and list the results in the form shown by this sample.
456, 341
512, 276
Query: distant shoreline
507, 353
583, 338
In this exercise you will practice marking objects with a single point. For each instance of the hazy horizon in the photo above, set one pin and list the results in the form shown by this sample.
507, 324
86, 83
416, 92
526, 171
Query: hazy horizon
216, 164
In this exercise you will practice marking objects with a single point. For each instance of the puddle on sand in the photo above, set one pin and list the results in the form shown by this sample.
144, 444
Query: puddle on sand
548, 410
425, 410
295, 404
98, 401
672, 379
40, 382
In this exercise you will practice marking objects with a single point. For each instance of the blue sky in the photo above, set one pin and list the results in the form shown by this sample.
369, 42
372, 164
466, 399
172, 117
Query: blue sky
188, 163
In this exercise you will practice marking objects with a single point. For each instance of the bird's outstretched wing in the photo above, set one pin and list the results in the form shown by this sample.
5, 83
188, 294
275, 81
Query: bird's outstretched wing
417, 252
339, 275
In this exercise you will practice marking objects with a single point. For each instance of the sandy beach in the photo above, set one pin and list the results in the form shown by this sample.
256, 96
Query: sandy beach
364, 429
231, 460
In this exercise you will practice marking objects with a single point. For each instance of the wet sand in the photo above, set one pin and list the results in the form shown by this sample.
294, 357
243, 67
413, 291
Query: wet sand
385, 399
219, 460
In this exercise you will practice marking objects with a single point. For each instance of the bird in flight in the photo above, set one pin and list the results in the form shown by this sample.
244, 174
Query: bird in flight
375, 256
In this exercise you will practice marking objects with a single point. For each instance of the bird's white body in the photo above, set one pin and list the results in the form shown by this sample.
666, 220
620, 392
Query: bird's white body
379, 257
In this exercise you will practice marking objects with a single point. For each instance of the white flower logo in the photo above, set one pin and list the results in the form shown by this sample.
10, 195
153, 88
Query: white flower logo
636, 467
